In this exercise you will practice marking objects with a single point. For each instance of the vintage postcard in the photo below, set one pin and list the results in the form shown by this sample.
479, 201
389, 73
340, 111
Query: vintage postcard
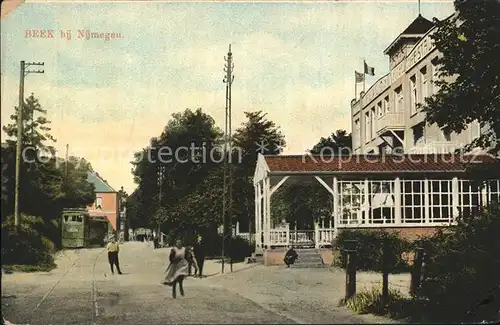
250, 161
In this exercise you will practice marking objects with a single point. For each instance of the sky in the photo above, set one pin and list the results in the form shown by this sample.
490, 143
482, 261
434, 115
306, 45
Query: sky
107, 99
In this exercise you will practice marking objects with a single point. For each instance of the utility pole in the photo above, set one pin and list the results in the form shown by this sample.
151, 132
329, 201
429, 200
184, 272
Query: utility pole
66, 162
20, 125
228, 80
160, 187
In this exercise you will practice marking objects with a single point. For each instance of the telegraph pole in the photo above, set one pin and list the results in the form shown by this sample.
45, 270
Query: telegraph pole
160, 187
66, 162
20, 125
228, 80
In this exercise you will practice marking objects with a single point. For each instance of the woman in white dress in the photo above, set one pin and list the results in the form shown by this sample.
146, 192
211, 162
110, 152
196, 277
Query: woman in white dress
177, 270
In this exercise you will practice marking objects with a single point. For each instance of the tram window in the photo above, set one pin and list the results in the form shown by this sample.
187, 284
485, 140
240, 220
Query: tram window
66, 218
79, 218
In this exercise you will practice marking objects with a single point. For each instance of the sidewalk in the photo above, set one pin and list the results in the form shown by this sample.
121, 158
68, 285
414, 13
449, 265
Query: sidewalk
213, 268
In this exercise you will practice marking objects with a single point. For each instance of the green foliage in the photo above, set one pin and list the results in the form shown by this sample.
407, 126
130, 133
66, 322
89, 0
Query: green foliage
370, 301
337, 143
369, 250
292, 202
461, 267
192, 191
238, 248
26, 246
470, 68
53, 181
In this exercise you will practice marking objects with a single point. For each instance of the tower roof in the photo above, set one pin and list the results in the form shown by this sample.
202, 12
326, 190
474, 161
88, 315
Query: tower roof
420, 25
415, 30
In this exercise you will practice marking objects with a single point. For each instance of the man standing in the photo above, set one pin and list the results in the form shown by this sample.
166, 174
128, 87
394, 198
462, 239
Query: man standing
113, 249
199, 254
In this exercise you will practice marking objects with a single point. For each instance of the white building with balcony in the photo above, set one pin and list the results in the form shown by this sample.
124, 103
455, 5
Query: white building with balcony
412, 192
387, 116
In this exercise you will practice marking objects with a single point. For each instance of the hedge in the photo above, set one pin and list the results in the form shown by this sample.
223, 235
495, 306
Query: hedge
369, 250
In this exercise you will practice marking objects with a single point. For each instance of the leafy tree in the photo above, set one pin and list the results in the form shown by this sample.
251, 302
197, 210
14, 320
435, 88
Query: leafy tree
192, 139
458, 272
43, 177
306, 202
256, 135
469, 71
339, 142
36, 129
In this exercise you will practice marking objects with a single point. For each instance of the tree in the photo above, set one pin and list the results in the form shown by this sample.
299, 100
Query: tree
193, 141
469, 71
256, 135
48, 183
36, 130
304, 203
338, 142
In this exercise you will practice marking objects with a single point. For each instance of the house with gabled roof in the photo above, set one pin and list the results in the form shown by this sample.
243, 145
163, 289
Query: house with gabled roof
107, 203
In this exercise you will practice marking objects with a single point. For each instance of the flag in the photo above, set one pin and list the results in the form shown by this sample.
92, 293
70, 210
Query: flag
369, 70
359, 76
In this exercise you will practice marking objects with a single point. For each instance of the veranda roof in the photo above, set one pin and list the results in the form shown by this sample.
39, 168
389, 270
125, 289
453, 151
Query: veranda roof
375, 163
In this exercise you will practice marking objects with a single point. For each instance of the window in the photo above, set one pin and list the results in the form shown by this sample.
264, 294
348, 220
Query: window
413, 201
387, 105
373, 123
425, 84
440, 195
368, 127
418, 133
98, 203
357, 133
446, 135
398, 99
352, 202
413, 95
381, 202
380, 109
469, 197
435, 75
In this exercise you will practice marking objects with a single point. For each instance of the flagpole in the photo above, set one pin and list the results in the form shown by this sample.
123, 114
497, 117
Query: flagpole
355, 86
364, 74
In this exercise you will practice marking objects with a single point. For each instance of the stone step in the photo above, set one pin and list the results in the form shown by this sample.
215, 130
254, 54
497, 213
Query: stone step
308, 265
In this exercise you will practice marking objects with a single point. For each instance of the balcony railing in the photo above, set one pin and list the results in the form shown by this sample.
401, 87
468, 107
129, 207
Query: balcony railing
435, 147
390, 121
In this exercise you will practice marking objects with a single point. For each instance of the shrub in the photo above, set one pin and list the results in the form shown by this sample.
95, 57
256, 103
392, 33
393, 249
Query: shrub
461, 268
369, 250
238, 248
49, 229
25, 246
370, 301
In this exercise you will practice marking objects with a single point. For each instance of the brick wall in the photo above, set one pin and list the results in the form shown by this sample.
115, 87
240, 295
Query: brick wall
274, 257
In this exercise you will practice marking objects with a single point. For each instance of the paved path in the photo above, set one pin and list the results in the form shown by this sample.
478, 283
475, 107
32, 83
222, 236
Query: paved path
82, 291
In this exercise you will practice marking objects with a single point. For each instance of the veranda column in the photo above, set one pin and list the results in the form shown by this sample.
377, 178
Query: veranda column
455, 197
267, 195
427, 202
366, 204
336, 205
397, 201
257, 215
262, 224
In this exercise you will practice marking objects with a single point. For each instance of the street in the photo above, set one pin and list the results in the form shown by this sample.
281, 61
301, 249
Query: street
82, 291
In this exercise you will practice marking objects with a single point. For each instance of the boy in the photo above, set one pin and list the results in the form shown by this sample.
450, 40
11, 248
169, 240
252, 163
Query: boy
113, 249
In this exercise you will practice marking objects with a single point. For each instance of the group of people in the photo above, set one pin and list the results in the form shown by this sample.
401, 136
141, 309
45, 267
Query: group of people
182, 261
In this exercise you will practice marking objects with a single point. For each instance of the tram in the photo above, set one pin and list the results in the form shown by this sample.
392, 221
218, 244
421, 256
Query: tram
79, 230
